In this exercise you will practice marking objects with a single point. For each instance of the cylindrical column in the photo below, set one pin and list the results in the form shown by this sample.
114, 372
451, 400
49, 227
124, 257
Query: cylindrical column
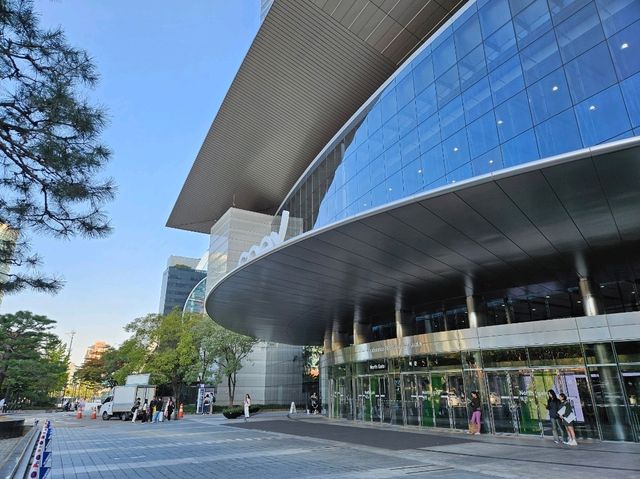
339, 336
476, 318
507, 311
590, 299
405, 324
362, 331
327, 341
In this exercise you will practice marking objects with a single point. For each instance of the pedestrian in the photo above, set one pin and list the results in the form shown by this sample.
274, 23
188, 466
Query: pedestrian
313, 400
476, 414
213, 401
205, 406
135, 408
553, 405
152, 410
247, 404
144, 411
170, 407
157, 417
2, 404
569, 418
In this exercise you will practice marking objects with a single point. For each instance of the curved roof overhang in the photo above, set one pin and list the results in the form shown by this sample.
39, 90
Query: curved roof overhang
539, 223
312, 64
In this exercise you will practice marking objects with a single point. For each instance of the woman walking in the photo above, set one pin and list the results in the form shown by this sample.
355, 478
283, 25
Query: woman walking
569, 417
170, 407
553, 405
247, 403
476, 407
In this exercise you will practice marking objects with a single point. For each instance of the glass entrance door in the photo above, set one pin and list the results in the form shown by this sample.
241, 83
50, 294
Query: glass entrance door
448, 399
412, 399
574, 383
393, 412
512, 400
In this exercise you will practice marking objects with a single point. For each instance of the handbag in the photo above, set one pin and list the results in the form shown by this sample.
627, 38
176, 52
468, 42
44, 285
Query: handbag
562, 410
570, 418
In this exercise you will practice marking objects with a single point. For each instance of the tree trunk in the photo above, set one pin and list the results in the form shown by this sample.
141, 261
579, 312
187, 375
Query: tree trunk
230, 390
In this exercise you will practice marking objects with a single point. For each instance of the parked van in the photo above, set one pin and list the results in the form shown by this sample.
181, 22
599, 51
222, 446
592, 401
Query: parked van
120, 399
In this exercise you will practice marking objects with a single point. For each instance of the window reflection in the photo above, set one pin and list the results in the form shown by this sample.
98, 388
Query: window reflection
509, 82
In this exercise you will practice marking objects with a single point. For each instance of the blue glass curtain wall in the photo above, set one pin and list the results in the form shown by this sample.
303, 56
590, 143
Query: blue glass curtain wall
506, 83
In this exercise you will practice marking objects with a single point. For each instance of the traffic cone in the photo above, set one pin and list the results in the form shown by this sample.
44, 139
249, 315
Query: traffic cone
93, 413
79, 414
181, 411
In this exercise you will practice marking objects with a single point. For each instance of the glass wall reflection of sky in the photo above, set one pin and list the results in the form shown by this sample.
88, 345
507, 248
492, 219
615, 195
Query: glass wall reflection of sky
506, 83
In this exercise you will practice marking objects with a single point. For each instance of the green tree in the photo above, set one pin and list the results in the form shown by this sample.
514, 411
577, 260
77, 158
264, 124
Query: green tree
170, 350
227, 350
129, 358
49, 144
94, 370
32, 359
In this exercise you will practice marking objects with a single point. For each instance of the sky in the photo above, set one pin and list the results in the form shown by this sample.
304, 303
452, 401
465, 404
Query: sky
164, 73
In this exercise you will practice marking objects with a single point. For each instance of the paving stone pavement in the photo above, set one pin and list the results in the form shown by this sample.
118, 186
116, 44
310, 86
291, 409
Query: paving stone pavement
208, 447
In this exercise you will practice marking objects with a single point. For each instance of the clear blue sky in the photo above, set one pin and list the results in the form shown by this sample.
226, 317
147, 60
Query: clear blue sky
165, 68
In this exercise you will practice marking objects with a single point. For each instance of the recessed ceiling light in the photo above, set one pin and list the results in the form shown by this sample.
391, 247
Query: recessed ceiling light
500, 122
554, 88
390, 189
624, 46
592, 107
420, 171
491, 162
533, 309
579, 301
453, 181
455, 148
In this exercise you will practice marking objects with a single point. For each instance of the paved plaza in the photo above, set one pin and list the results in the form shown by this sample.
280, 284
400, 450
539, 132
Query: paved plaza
274, 446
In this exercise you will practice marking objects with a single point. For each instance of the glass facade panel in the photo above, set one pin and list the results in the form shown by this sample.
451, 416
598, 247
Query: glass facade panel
512, 383
580, 32
602, 116
617, 14
540, 58
493, 15
559, 134
532, 22
626, 56
631, 93
628, 351
610, 404
549, 96
552, 75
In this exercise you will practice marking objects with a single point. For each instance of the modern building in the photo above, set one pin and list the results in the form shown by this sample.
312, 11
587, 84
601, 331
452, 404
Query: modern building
272, 373
467, 176
180, 277
95, 351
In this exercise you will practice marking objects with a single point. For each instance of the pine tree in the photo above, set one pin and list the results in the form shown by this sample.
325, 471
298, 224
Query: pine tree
50, 151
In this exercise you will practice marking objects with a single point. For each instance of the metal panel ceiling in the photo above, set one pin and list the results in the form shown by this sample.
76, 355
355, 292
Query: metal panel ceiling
310, 67
540, 224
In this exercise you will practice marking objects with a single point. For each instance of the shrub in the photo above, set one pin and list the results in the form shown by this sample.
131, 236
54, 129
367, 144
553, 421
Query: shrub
237, 411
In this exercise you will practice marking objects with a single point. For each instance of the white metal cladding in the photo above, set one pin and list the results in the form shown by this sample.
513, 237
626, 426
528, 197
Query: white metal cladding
584, 329
545, 222
312, 64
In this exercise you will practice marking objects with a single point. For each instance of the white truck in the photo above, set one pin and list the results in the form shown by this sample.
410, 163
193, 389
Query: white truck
120, 399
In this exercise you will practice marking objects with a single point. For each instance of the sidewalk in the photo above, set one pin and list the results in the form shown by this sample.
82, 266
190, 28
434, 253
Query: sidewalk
503, 456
